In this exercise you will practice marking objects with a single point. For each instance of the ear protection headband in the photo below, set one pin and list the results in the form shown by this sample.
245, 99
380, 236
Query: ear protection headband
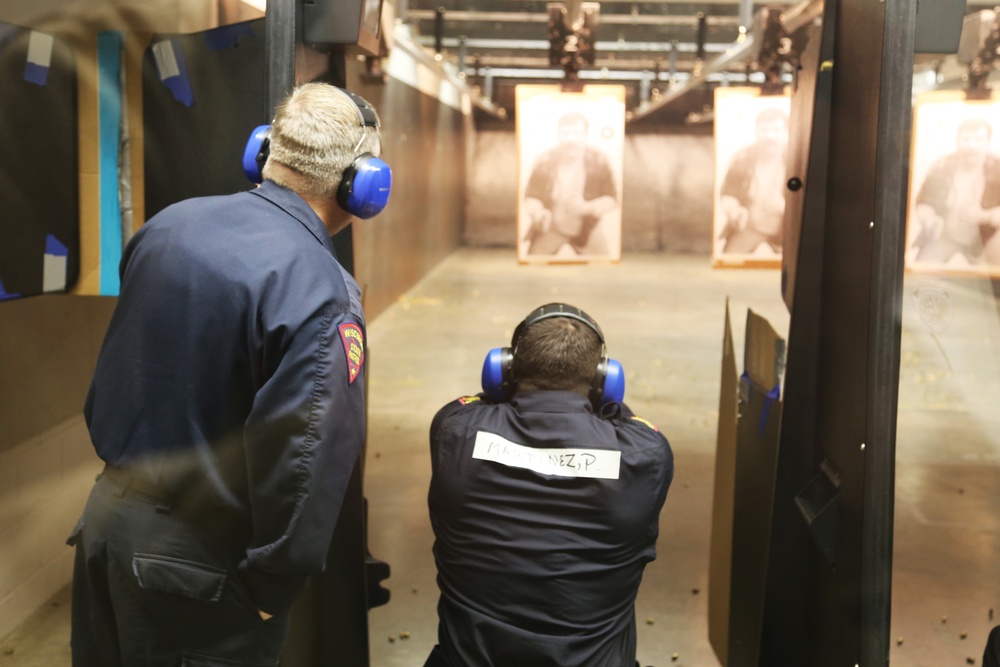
499, 383
364, 188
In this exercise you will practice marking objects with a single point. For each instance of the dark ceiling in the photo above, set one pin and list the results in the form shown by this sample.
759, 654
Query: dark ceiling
654, 49
645, 46
669, 54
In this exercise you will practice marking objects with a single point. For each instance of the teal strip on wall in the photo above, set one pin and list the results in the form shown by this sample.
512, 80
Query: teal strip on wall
109, 49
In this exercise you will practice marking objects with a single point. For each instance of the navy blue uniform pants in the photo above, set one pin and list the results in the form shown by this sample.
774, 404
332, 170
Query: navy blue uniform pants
157, 585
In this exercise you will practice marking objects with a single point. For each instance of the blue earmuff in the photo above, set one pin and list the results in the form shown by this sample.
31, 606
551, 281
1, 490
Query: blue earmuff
497, 374
498, 380
255, 153
364, 189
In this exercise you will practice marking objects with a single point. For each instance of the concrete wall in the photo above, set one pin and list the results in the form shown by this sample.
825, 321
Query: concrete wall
668, 185
48, 347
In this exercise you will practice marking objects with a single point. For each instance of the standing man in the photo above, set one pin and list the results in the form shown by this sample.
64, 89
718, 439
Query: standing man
752, 197
228, 406
545, 505
958, 205
570, 189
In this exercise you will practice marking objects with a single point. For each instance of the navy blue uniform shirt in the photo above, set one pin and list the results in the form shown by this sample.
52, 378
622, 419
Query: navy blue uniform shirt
232, 367
545, 515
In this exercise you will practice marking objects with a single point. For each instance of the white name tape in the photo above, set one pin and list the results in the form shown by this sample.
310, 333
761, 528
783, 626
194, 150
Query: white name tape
40, 48
594, 463
166, 61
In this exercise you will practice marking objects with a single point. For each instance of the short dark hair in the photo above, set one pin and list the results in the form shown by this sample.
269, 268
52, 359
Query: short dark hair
557, 353
770, 115
975, 124
573, 118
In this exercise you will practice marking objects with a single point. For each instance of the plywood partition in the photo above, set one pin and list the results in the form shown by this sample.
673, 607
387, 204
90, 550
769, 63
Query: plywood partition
424, 139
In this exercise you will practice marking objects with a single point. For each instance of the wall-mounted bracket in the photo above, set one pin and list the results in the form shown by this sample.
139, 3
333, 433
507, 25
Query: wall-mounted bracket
572, 37
979, 48
778, 46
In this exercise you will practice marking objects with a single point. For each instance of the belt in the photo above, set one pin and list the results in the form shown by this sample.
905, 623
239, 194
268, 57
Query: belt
133, 485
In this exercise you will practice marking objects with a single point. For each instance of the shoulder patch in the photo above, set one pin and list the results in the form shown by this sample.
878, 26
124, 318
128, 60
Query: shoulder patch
354, 347
465, 400
646, 422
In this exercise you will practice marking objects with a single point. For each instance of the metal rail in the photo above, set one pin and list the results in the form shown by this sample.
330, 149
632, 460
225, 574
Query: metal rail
542, 17
421, 55
734, 54
793, 18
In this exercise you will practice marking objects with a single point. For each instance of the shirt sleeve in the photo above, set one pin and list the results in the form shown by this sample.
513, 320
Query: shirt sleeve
934, 190
539, 184
660, 455
600, 178
303, 438
736, 182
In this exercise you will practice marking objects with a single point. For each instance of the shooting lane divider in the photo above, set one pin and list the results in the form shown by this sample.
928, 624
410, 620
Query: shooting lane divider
36, 71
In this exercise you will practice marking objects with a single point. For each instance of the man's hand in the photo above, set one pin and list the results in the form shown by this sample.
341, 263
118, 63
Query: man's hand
737, 215
541, 220
993, 216
264, 615
539, 217
931, 224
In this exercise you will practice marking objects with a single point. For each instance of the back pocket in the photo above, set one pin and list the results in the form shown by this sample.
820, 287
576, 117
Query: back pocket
182, 577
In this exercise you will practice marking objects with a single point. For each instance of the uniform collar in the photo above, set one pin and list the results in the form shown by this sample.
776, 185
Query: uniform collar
551, 401
296, 206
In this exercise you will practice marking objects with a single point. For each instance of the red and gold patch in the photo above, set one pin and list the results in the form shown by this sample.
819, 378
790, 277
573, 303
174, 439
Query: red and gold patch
465, 400
646, 422
354, 347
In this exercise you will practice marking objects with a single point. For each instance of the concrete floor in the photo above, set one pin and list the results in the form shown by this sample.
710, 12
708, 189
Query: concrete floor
663, 319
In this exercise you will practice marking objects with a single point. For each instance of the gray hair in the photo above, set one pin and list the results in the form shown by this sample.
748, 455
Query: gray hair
317, 132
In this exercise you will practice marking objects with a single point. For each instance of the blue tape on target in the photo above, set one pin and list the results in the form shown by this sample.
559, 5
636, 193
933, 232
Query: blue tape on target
770, 399
54, 247
227, 36
4, 295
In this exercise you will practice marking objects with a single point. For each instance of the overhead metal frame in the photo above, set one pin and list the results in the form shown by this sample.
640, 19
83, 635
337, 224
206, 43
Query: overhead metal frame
435, 64
796, 18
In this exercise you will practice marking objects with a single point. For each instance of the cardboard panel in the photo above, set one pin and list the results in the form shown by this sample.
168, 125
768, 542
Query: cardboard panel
720, 556
424, 141
753, 492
